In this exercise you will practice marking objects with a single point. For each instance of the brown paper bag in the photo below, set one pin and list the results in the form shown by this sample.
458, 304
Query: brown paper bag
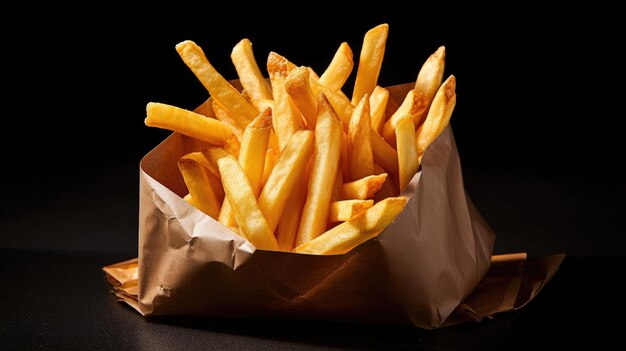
418, 270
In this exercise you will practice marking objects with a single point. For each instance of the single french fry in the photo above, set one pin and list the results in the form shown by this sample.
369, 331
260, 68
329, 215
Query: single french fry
212, 173
345, 210
285, 175
239, 193
340, 103
248, 71
438, 115
197, 182
323, 172
408, 161
414, 105
364, 188
370, 61
431, 75
378, 105
339, 69
188, 199
299, 89
356, 231
384, 154
222, 115
218, 87
186, 122
271, 157
360, 155
287, 229
387, 189
344, 160
287, 119
263, 104
251, 158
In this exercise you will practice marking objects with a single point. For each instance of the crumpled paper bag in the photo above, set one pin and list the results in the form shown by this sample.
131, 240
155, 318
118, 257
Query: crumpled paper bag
422, 269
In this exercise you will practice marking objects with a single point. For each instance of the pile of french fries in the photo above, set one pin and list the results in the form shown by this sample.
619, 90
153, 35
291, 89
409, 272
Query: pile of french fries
295, 164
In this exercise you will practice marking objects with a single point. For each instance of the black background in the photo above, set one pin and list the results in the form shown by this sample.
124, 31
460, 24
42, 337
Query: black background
536, 123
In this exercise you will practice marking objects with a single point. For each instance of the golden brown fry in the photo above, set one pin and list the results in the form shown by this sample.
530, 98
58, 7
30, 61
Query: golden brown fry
232, 145
287, 229
286, 173
212, 173
287, 119
299, 89
187, 123
387, 189
199, 157
239, 193
251, 159
384, 154
356, 231
414, 105
345, 210
370, 61
248, 71
218, 87
222, 115
438, 115
339, 69
364, 188
360, 158
323, 172
337, 186
408, 161
270, 160
431, 74
197, 182
262, 104
378, 105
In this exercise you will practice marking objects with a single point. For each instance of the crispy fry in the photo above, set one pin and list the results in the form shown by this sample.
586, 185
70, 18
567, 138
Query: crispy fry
364, 188
299, 89
345, 210
187, 123
438, 115
240, 194
384, 154
218, 87
324, 170
356, 231
431, 74
370, 61
360, 157
232, 145
408, 161
339, 69
415, 105
284, 175
344, 160
197, 182
270, 160
387, 189
287, 229
262, 104
378, 105
251, 159
287, 119
212, 173
337, 186
248, 71
222, 115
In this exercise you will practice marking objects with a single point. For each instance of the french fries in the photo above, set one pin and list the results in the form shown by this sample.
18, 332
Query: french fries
218, 87
325, 164
240, 194
370, 61
438, 115
187, 123
339, 69
197, 182
311, 173
408, 161
350, 234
